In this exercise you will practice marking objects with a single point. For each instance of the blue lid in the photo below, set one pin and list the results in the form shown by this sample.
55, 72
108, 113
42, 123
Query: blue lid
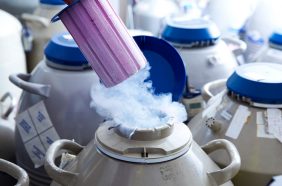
167, 68
62, 50
276, 38
190, 31
52, 2
259, 82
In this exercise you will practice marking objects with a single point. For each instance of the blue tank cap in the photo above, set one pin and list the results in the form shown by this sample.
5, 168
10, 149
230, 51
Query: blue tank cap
52, 2
195, 32
276, 38
63, 51
257, 82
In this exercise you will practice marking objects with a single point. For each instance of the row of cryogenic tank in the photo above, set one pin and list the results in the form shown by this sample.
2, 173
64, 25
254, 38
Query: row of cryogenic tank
251, 101
257, 20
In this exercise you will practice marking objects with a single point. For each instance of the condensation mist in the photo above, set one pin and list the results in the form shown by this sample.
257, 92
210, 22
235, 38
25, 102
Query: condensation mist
132, 104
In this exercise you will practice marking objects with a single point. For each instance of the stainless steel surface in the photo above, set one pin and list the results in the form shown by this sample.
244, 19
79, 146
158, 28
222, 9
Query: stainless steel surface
66, 95
149, 15
92, 167
18, 7
261, 157
14, 171
215, 62
42, 30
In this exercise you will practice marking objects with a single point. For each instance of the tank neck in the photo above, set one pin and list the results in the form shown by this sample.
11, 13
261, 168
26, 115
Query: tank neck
146, 134
67, 67
145, 145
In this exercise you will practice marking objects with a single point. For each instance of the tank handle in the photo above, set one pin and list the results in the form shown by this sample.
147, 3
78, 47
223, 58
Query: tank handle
35, 18
206, 90
57, 174
11, 107
227, 173
21, 81
240, 48
15, 171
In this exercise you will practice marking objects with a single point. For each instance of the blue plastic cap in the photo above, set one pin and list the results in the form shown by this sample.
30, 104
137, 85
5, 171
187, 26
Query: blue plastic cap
63, 50
276, 38
52, 2
167, 71
260, 82
188, 31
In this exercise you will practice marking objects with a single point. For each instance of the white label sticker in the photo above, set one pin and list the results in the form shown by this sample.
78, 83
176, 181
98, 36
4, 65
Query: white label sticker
36, 151
262, 133
274, 119
48, 137
66, 159
37, 132
277, 181
25, 126
40, 117
238, 121
260, 118
261, 127
226, 115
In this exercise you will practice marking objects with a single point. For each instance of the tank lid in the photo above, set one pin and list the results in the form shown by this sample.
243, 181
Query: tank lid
193, 32
145, 145
63, 52
276, 39
257, 83
52, 2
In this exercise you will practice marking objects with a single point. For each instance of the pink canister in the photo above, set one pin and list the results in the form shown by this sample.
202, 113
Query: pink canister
103, 39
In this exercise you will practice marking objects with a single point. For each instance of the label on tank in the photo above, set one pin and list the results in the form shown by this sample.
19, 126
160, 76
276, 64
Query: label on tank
37, 132
238, 121
261, 127
274, 120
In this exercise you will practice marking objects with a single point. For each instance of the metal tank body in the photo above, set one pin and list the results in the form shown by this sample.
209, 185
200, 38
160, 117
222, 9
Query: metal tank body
14, 171
41, 28
18, 7
216, 62
273, 52
149, 15
62, 86
12, 60
244, 121
206, 55
161, 164
12, 55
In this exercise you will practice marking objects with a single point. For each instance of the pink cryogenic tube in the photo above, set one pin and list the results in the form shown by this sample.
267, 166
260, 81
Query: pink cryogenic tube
103, 39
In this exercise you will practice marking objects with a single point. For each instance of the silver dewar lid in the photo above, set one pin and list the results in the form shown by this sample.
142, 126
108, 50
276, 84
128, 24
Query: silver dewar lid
145, 146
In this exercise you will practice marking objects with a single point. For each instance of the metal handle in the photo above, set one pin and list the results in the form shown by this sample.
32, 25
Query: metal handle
239, 49
15, 171
227, 173
21, 80
206, 90
57, 174
11, 107
34, 18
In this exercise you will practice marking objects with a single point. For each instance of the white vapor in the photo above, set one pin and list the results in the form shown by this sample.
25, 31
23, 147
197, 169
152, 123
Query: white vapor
132, 104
